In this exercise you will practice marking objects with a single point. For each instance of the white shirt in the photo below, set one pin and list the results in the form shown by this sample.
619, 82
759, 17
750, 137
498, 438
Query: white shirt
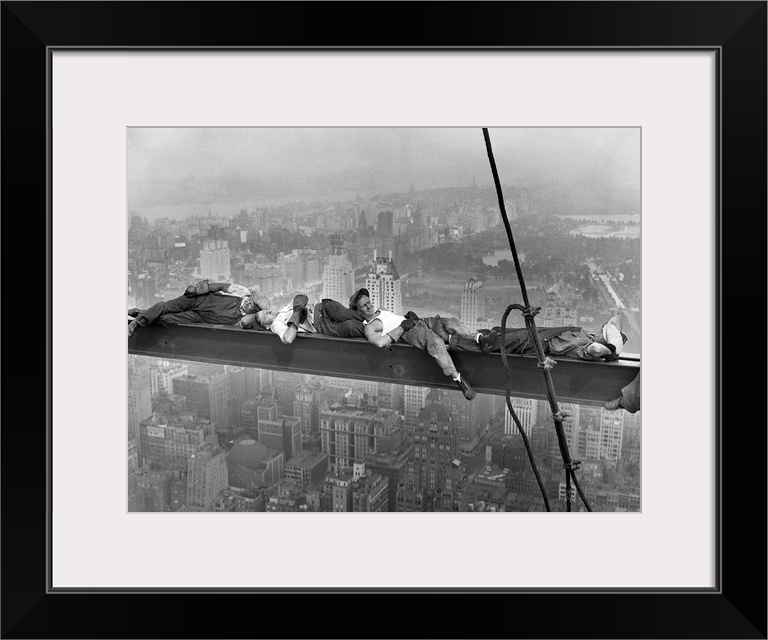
388, 319
280, 323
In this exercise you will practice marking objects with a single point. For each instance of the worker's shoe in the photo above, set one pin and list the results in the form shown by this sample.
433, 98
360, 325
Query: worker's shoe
488, 340
439, 329
469, 392
613, 404
132, 326
299, 310
134, 313
300, 302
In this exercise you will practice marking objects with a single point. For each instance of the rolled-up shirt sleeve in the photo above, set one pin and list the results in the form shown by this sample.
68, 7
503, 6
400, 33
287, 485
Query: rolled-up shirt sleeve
280, 323
280, 326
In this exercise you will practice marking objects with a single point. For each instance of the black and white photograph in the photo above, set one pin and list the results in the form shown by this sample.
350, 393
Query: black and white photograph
399, 265
384, 319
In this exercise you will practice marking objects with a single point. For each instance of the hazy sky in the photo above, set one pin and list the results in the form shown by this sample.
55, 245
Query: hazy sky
181, 166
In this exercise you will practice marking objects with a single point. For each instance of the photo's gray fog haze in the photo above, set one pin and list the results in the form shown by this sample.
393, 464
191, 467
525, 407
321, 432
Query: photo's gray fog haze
179, 172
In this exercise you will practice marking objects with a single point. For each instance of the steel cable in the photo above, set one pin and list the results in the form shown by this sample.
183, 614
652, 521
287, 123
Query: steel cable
529, 314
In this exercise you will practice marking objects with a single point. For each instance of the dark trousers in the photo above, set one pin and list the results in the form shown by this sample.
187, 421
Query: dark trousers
209, 308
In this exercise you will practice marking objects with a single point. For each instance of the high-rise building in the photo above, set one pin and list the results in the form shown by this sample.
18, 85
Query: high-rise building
206, 476
305, 407
307, 466
600, 434
257, 381
392, 466
389, 395
385, 230
471, 418
370, 493
338, 274
472, 304
592, 433
350, 433
557, 313
139, 394
434, 477
214, 261
149, 490
526, 410
285, 390
209, 396
169, 404
162, 376
282, 434
170, 442
383, 283
341, 491
291, 270
250, 411
414, 398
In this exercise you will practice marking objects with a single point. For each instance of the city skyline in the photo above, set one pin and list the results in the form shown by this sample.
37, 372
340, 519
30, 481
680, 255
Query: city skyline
179, 172
205, 437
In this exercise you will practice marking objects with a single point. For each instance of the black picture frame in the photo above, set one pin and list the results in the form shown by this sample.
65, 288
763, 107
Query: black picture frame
736, 608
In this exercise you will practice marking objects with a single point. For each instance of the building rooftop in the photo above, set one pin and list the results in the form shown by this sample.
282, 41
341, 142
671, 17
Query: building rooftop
306, 459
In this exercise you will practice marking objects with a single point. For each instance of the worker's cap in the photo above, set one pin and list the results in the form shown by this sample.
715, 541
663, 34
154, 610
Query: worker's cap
614, 339
356, 296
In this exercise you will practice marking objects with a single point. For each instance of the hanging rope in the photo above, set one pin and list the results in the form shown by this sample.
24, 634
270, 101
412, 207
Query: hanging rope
513, 413
545, 363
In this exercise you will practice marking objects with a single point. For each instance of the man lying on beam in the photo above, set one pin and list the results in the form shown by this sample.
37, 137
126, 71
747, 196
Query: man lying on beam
204, 302
571, 342
383, 328
328, 317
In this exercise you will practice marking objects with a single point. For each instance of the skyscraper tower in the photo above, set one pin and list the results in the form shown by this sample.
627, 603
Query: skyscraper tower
414, 399
210, 396
385, 225
139, 394
385, 230
434, 477
206, 476
527, 412
338, 274
383, 283
214, 261
472, 303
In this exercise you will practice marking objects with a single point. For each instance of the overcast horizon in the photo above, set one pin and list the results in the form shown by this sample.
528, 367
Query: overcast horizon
177, 171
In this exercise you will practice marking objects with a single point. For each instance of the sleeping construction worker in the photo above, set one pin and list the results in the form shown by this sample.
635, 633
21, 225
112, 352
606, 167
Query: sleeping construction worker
572, 342
295, 317
212, 303
383, 328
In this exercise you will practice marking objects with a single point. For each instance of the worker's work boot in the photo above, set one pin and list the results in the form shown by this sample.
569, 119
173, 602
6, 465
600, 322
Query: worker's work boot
300, 302
134, 313
299, 310
469, 392
613, 405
